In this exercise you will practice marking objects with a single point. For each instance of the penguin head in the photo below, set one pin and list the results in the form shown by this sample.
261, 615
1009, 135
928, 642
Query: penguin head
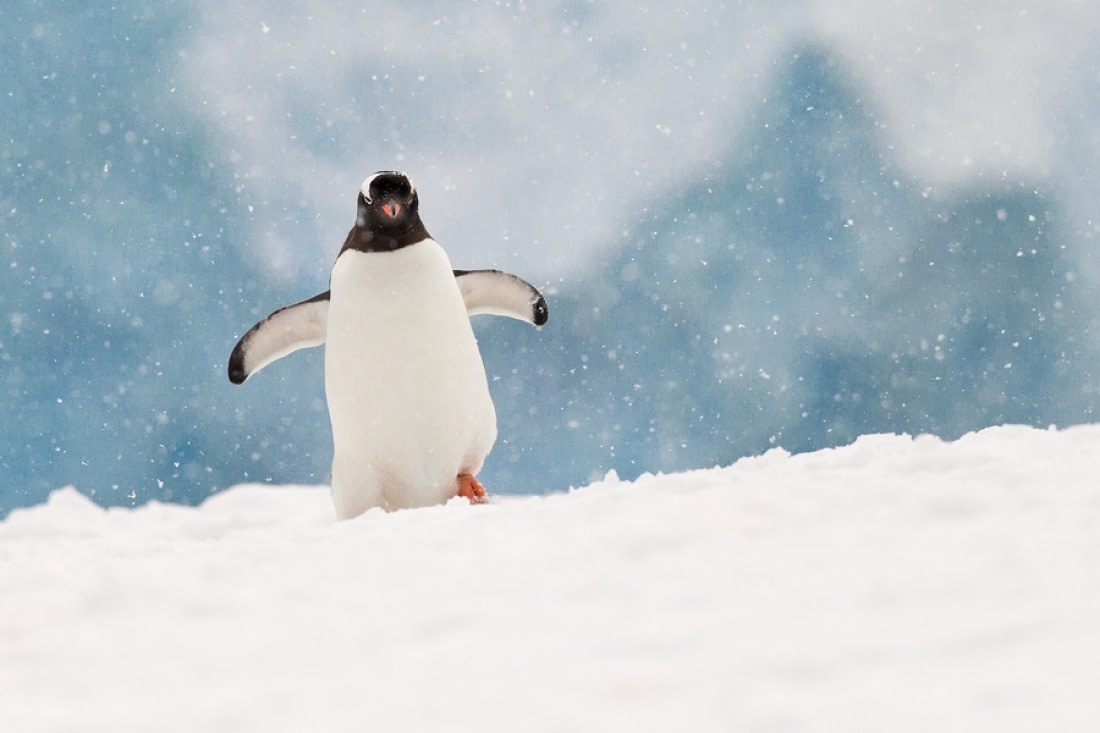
387, 215
387, 202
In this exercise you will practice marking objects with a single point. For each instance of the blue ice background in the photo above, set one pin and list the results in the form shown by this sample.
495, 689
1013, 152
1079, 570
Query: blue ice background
796, 288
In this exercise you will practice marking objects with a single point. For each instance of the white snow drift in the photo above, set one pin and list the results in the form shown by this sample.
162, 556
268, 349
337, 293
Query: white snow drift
895, 584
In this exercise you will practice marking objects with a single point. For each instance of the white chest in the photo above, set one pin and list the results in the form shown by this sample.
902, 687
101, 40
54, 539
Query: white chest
405, 300
406, 387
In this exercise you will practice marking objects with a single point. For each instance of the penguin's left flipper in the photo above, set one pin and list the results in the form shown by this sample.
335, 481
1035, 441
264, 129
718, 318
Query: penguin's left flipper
286, 330
501, 294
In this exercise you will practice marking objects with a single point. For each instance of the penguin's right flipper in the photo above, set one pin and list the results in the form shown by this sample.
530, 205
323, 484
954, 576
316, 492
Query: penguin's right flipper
286, 330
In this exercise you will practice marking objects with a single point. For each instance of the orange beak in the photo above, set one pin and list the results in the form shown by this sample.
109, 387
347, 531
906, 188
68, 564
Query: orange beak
391, 209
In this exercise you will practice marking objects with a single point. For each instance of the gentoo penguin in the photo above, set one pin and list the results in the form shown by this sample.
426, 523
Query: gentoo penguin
412, 420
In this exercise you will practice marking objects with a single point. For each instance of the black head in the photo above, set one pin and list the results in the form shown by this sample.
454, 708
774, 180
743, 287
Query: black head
387, 216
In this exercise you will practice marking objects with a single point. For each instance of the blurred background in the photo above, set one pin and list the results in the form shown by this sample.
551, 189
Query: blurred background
758, 224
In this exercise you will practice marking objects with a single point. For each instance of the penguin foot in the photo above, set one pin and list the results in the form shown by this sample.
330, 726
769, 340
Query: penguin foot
471, 488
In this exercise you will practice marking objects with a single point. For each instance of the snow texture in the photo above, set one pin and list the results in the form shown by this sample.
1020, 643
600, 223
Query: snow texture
894, 584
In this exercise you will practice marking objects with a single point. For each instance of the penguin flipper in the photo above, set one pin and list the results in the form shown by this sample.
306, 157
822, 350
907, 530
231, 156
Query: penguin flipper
286, 330
501, 294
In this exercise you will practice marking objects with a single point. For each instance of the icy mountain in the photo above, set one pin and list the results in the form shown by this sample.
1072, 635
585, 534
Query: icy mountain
120, 293
895, 584
803, 292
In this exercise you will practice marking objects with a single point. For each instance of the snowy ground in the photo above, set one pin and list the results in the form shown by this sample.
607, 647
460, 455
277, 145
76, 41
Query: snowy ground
896, 584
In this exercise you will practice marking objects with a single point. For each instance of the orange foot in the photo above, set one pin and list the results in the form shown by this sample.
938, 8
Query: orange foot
472, 489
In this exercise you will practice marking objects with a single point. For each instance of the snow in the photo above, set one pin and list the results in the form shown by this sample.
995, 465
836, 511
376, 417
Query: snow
893, 584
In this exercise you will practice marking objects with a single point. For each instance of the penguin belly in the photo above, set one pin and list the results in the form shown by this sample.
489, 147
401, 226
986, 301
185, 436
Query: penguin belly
407, 394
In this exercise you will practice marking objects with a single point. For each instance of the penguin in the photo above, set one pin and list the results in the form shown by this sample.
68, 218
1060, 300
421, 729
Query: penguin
412, 418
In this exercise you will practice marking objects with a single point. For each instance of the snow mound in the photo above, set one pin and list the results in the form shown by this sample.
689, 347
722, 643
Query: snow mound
894, 584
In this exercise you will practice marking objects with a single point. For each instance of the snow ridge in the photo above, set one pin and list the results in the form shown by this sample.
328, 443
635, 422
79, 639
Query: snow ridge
897, 583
